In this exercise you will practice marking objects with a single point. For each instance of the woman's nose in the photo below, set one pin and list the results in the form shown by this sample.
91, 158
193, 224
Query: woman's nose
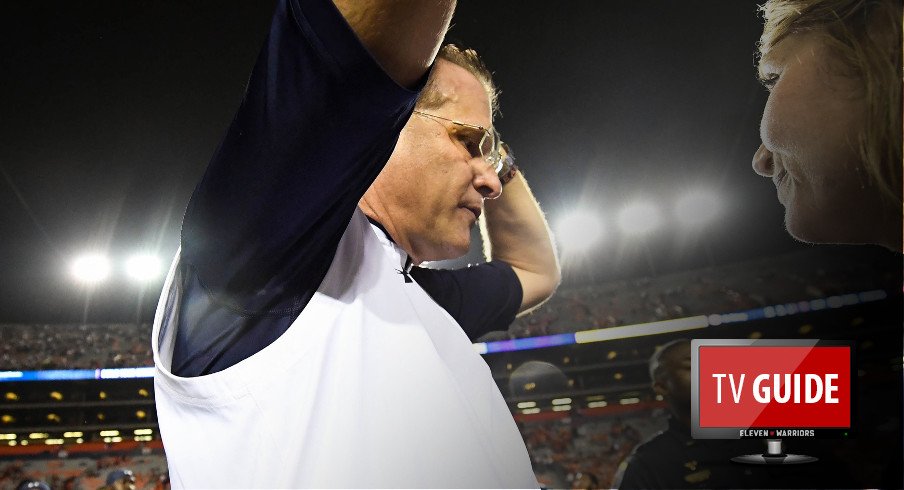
762, 162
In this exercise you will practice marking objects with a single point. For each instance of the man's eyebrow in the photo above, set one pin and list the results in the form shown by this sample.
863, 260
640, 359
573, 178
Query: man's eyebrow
468, 130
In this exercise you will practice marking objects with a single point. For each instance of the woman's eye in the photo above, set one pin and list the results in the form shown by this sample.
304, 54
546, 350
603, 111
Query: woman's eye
769, 80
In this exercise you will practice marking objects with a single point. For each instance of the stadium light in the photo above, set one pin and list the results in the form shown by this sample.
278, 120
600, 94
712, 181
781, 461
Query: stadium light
143, 267
638, 218
697, 208
578, 231
91, 268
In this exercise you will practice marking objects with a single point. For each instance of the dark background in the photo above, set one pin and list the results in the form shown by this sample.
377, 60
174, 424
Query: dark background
109, 111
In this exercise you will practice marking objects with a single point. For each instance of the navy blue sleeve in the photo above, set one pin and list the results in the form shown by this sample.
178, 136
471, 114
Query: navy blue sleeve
318, 122
481, 298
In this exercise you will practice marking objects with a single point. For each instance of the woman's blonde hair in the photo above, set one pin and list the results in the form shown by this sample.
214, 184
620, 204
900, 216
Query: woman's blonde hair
865, 35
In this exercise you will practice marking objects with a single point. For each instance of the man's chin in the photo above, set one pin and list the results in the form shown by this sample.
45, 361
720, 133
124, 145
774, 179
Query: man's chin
456, 251
449, 250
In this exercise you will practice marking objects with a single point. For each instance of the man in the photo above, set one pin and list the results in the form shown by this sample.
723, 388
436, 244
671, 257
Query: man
33, 485
295, 343
121, 479
585, 481
672, 459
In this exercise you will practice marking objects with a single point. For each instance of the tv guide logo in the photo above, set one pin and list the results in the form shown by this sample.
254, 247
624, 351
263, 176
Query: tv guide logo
771, 388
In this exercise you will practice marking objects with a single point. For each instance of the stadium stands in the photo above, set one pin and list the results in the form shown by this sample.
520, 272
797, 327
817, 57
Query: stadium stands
581, 407
803, 275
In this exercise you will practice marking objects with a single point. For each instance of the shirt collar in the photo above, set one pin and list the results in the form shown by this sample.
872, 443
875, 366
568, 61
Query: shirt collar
404, 260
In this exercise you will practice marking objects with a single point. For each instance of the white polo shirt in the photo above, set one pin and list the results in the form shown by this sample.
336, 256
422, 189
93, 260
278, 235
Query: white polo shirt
373, 385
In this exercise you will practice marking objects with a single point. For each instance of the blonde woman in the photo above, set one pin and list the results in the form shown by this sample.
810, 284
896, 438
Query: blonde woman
831, 129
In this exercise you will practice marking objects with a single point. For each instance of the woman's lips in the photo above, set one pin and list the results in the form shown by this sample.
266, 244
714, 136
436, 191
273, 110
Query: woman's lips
779, 178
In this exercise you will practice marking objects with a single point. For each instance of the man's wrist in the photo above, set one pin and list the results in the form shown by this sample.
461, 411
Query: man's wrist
509, 174
509, 167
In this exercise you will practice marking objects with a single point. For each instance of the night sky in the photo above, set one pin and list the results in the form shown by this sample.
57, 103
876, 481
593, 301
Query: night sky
110, 111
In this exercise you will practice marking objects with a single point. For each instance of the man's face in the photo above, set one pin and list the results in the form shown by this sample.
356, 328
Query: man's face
810, 132
431, 191
583, 481
126, 483
675, 383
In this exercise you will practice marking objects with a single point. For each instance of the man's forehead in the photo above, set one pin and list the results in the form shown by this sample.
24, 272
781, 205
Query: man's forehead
463, 95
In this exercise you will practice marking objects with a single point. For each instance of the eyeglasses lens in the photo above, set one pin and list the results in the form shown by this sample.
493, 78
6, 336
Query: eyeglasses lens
488, 147
504, 163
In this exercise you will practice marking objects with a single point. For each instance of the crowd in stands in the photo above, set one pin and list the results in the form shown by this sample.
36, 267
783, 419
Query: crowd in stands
563, 449
146, 471
803, 275
74, 346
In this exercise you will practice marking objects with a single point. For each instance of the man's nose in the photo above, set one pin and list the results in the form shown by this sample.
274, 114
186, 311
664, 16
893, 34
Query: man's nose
485, 179
762, 162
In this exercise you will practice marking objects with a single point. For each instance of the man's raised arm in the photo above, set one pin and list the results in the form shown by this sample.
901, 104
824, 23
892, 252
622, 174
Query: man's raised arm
518, 234
402, 35
330, 91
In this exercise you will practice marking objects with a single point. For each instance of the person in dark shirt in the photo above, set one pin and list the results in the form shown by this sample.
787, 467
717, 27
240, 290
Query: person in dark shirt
308, 147
296, 305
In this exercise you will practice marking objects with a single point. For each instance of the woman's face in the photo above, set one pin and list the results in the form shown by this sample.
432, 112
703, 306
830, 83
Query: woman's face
809, 131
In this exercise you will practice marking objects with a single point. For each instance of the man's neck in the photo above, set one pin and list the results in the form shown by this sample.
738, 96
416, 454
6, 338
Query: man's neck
382, 228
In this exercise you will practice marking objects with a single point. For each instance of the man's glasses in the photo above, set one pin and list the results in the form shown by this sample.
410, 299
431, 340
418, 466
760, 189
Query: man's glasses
490, 147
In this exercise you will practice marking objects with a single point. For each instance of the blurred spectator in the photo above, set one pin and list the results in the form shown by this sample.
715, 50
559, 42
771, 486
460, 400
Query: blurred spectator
33, 485
535, 378
121, 479
79, 471
585, 481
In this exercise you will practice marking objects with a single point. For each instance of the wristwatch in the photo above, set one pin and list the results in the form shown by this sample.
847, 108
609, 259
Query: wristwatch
507, 168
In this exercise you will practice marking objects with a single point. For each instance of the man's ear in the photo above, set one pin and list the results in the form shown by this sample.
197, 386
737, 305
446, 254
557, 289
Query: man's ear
659, 387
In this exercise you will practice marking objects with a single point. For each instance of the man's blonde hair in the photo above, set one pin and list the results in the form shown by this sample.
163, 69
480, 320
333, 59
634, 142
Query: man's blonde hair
468, 59
865, 36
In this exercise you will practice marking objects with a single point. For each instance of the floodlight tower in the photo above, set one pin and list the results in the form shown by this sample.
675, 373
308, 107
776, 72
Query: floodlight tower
90, 269
142, 268
579, 231
638, 219
695, 210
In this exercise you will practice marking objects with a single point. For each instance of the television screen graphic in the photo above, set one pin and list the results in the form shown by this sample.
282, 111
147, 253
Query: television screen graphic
770, 388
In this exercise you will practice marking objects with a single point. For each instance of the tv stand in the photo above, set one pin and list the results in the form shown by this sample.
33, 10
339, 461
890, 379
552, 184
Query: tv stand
774, 455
